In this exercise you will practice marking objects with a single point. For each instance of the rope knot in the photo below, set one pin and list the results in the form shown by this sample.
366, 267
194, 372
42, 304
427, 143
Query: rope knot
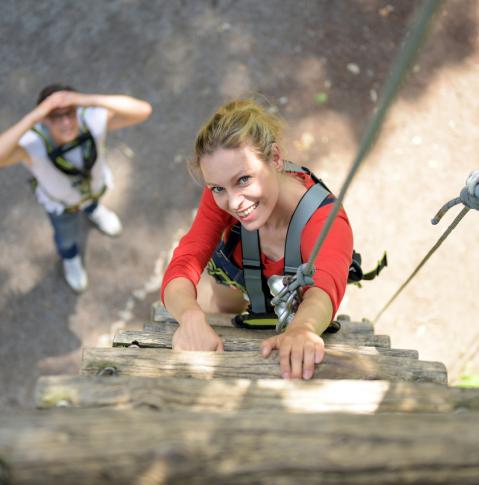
469, 199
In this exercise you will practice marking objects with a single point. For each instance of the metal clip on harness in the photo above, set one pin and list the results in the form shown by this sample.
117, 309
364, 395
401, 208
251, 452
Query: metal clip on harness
286, 291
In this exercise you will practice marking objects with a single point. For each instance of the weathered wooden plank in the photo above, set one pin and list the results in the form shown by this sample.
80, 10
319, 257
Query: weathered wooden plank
340, 337
94, 446
232, 395
336, 365
170, 326
160, 314
144, 339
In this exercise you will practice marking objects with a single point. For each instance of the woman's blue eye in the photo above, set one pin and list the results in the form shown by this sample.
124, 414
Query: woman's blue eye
244, 179
217, 190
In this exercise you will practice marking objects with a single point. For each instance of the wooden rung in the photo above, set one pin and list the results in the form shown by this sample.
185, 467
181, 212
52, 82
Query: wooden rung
144, 339
233, 395
340, 337
160, 314
142, 446
344, 364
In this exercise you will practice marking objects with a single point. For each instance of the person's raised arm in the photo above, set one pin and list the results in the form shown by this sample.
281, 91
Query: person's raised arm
10, 151
123, 110
194, 332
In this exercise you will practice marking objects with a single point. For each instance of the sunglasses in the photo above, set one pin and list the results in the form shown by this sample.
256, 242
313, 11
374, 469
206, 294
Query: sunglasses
58, 115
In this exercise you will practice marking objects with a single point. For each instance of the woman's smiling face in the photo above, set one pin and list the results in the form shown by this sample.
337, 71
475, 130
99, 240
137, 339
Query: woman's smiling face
242, 184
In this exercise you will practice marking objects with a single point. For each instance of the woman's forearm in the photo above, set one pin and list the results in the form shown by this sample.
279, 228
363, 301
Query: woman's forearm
315, 311
180, 299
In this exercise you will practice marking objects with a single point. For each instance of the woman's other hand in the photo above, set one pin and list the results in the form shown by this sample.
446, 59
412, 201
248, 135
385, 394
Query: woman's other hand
194, 333
299, 350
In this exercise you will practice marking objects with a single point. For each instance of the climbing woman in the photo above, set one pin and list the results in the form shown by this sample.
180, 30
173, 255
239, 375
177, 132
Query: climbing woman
252, 196
61, 142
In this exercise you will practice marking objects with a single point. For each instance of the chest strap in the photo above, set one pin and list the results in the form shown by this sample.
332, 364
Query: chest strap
84, 140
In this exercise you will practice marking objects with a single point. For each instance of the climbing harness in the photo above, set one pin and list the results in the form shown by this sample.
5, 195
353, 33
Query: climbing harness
81, 176
469, 197
316, 196
288, 297
250, 279
84, 140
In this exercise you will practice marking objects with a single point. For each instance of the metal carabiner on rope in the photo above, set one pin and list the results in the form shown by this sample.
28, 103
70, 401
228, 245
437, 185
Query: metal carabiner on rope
287, 294
469, 196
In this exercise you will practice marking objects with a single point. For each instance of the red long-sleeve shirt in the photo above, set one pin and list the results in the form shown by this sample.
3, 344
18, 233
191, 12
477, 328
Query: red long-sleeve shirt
332, 262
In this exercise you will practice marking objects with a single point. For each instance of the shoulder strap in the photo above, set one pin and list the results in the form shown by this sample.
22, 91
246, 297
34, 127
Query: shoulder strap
293, 168
253, 277
85, 140
46, 141
311, 200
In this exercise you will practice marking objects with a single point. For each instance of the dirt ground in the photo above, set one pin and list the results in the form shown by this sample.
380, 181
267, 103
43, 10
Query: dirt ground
321, 65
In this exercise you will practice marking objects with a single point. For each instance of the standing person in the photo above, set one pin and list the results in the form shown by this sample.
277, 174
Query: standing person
62, 143
251, 193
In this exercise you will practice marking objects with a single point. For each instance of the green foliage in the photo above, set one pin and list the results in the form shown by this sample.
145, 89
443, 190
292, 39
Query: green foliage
321, 98
468, 380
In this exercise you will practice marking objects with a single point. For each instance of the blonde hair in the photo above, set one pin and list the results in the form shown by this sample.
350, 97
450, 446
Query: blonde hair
233, 125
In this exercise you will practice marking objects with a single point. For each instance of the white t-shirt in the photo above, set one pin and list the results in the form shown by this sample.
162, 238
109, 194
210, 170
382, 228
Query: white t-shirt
55, 190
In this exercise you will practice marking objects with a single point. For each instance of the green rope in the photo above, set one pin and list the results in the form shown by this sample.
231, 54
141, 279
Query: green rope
446, 233
403, 60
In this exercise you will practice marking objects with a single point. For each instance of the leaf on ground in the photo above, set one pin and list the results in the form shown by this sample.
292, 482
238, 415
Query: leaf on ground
321, 98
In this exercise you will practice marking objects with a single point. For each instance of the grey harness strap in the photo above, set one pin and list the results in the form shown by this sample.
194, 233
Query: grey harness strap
252, 270
310, 201
253, 278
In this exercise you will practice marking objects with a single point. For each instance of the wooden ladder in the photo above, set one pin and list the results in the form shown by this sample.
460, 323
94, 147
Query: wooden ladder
140, 413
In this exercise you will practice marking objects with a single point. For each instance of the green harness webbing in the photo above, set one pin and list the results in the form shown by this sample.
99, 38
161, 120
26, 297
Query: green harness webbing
56, 154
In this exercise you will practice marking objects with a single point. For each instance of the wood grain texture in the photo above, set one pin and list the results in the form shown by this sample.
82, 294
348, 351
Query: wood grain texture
206, 365
94, 446
160, 314
340, 337
145, 339
232, 395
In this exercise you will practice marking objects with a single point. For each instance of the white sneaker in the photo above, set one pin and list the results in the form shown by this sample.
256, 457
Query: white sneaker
75, 274
106, 220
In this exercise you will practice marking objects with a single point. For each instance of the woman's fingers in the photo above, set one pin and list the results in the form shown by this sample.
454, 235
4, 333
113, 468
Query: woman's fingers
268, 345
186, 340
309, 355
319, 352
297, 355
285, 359
297, 352
220, 347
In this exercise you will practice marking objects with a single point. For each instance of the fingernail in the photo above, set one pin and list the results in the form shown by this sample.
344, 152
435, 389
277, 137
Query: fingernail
285, 375
307, 374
